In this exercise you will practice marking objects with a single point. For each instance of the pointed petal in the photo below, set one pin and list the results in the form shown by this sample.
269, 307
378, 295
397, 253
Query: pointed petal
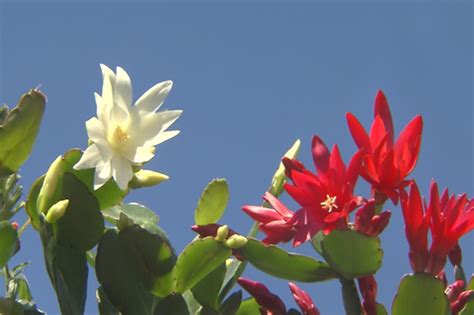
123, 89
358, 133
278, 205
152, 99
108, 85
336, 163
91, 157
388, 173
409, 138
162, 137
354, 167
121, 171
102, 174
149, 127
95, 130
320, 155
139, 154
377, 132
382, 110
262, 214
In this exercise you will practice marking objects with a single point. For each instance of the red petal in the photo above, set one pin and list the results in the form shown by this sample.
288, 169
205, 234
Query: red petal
408, 143
262, 214
358, 133
303, 300
377, 132
278, 205
320, 156
382, 110
354, 168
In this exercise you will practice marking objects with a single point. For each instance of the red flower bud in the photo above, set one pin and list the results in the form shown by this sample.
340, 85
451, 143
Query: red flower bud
267, 300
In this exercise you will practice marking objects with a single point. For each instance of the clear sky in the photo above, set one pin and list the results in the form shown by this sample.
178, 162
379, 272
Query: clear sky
251, 78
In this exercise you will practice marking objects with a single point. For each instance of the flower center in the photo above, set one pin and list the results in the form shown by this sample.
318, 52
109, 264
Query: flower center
119, 137
329, 203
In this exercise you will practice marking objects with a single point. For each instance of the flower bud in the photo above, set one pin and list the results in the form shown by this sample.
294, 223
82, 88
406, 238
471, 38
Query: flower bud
266, 299
236, 241
279, 177
57, 211
222, 233
124, 222
50, 183
147, 178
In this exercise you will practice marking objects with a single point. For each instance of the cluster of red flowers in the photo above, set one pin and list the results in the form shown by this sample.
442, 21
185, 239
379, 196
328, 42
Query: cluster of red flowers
326, 197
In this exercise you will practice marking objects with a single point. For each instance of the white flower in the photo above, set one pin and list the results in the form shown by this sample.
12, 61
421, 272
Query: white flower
123, 135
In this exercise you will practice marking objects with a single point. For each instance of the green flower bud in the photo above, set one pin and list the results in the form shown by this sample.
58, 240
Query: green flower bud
236, 241
53, 175
147, 178
57, 211
279, 177
222, 233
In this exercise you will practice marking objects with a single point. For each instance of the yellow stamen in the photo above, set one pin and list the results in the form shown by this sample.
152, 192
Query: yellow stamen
119, 137
329, 203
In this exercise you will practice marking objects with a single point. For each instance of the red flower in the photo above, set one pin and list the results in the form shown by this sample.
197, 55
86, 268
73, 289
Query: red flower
326, 198
303, 300
269, 302
451, 218
386, 163
447, 217
276, 223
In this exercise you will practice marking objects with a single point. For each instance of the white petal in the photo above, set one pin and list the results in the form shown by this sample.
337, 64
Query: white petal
102, 174
91, 157
152, 99
123, 89
107, 93
95, 130
140, 154
121, 171
162, 137
170, 117
102, 110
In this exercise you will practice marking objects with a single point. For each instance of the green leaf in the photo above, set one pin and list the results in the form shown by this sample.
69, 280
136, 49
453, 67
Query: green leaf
108, 195
172, 304
207, 290
279, 178
249, 307
152, 258
12, 307
232, 304
67, 269
212, 203
233, 271
8, 242
420, 294
137, 212
352, 254
82, 225
197, 260
105, 306
381, 309
121, 283
279, 263
18, 131
468, 309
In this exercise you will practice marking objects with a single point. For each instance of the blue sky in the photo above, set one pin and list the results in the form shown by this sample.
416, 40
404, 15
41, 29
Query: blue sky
251, 78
